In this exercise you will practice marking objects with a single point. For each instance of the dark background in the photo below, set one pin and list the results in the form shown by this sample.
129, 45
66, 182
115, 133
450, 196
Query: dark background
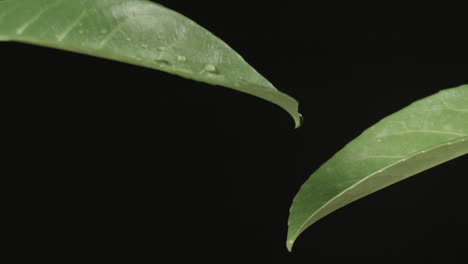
127, 164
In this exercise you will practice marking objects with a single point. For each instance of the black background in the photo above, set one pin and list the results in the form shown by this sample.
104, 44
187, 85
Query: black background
127, 164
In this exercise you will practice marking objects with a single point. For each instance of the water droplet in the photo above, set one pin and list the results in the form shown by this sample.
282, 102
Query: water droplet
163, 62
161, 48
379, 140
301, 120
103, 31
128, 39
159, 37
181, 58
145, 46
210, 68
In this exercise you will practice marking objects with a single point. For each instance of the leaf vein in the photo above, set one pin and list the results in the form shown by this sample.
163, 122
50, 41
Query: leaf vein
36, 17
64, 34
111, 34
382, 157
429, 131
451, 108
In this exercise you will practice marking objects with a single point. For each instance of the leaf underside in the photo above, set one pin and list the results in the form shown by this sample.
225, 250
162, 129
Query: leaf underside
426, 133
138, 32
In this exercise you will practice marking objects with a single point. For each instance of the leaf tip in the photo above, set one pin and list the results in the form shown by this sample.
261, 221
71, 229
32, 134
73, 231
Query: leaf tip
289, 244
291, 238
298, 120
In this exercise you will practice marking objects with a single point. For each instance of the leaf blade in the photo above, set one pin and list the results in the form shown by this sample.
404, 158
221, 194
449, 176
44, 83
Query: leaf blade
137, 32
422, 135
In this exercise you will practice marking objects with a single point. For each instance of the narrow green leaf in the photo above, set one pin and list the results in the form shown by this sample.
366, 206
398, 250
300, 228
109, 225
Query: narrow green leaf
138, 32
426, 133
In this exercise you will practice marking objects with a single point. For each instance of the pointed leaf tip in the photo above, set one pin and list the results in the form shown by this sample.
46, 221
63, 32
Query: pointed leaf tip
138, 32
289, 244
426, 133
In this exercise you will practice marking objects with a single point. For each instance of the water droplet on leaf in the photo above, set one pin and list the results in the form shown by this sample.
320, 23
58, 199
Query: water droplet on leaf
181, 58
301, 120
210, 68
163, 62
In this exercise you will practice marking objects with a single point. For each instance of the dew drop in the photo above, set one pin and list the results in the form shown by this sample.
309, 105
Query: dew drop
161, 48
301, 120
181, 58
163, 62
379, 140
103, 31
210, 68
145, 46
128, 39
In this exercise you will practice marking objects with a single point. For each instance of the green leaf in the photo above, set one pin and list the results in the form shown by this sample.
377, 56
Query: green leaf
138, 32
426, 133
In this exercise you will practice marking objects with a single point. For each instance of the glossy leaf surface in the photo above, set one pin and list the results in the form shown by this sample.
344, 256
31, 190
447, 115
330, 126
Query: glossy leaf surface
138, 32
426, 133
